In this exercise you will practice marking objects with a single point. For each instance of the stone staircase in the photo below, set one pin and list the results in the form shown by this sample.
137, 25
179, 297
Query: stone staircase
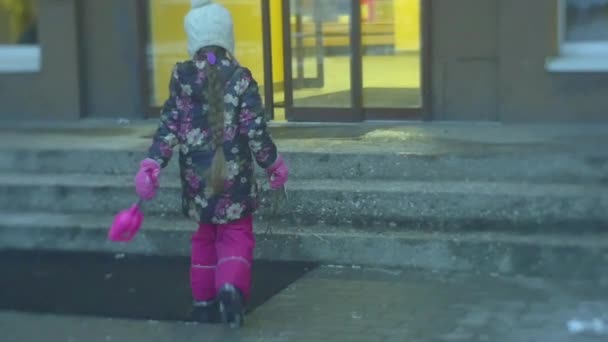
536, 208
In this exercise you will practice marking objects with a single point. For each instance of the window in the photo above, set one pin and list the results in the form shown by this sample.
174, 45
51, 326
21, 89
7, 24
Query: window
19, 49
583, 36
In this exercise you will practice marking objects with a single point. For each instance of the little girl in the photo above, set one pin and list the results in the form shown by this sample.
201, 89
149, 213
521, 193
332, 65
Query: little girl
215, 114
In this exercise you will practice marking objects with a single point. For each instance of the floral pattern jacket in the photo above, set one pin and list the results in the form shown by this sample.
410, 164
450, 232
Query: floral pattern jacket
184, 123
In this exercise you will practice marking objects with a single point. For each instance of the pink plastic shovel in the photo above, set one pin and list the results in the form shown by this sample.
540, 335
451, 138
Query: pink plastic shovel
126, 224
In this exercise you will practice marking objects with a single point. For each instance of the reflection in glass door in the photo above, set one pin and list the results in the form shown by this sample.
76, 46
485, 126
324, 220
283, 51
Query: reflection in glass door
320, 53
391, 49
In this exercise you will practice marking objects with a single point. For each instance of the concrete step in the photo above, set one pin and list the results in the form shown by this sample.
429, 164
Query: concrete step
572, 255
574, 167
367, 206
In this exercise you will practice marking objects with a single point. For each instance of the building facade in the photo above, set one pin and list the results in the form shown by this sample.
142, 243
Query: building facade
444, 60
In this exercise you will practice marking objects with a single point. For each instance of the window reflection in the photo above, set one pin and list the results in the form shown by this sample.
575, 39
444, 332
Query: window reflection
587, 20
391, 53
18, 22
320, 49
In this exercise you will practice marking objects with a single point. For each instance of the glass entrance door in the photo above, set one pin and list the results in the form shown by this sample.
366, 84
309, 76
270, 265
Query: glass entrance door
339, 69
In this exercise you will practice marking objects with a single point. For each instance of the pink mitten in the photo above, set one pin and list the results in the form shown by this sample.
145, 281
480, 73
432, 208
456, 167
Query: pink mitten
126, 224
146, 180
278, 173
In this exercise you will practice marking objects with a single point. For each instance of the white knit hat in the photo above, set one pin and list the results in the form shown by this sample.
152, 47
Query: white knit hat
209, 24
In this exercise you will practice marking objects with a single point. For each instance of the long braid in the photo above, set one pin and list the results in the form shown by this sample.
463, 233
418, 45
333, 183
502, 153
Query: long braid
214, 93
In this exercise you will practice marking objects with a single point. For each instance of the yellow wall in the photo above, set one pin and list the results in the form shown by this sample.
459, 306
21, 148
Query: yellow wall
276, 24
407, 25
167, 43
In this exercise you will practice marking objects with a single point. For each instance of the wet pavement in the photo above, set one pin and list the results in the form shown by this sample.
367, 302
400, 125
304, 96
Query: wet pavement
328, 303
412, 138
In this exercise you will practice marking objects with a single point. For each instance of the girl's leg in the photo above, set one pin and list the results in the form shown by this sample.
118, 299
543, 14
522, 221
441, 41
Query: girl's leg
235, 245
203, 263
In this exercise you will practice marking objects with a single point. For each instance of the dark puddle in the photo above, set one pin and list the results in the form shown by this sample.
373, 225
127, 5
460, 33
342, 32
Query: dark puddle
118, 286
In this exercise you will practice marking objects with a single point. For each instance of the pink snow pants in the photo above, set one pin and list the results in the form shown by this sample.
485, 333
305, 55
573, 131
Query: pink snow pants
222, 254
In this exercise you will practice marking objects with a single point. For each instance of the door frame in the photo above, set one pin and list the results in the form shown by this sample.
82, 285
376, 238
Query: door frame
357, 112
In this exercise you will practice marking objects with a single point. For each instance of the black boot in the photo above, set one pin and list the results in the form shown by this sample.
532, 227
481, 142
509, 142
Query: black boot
232, 306
206, 312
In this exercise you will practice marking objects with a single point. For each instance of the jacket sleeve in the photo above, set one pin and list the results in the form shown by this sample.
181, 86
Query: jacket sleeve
165, 138
253, 124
